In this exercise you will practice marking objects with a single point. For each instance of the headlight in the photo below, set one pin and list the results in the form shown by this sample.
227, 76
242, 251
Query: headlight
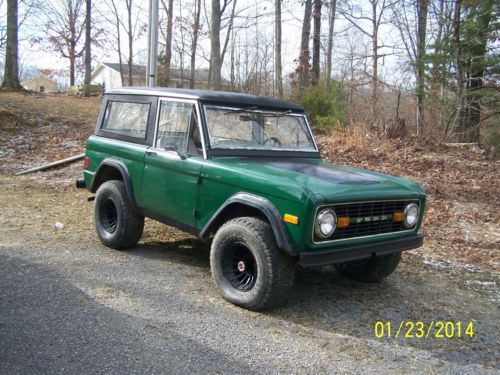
326, 222
411, 215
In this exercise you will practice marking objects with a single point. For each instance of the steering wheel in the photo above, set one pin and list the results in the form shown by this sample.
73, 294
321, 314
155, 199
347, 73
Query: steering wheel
276, 141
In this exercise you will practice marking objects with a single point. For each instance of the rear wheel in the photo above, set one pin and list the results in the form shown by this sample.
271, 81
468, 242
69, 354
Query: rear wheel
248, 268
371, 270
117, 225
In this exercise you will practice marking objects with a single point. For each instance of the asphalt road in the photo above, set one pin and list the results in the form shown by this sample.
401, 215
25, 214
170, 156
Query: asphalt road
70, 305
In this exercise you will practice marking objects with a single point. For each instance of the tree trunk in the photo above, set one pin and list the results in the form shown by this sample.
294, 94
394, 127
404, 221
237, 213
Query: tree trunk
215, 57
233, 59
316, 42
130, 44
458, 127
118, 39
11, 73
333, 9
72, 47
374, 64
88, 57
196, 28
422, 8
477, 48
72, 63
277, 49
168, 46
304, 81
229, 30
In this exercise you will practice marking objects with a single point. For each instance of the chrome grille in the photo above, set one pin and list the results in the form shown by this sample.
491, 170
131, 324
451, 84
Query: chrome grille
367, 219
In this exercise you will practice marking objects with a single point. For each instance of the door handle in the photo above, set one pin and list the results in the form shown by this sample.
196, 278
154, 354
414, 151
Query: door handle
151, 153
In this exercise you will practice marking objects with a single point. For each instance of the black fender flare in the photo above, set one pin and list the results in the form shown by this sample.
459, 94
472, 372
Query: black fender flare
268, 210
122, 168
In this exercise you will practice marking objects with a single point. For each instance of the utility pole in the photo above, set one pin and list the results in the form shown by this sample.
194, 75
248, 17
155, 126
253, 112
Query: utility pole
152, 43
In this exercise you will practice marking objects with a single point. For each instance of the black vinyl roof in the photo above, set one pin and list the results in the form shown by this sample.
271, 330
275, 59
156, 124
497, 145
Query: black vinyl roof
215, 97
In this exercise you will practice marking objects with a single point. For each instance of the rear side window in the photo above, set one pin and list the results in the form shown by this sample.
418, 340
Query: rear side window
128, 119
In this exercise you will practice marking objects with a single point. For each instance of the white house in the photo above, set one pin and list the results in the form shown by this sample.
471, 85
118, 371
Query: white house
108, 75
40, 84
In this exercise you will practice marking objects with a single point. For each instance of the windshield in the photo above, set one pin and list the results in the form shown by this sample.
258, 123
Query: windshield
238, 128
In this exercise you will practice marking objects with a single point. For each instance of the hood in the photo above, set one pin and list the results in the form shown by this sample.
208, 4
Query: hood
320, 180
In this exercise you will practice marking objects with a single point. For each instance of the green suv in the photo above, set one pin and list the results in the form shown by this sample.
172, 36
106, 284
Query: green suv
243, 173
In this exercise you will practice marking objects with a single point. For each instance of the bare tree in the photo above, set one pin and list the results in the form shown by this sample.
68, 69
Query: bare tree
24, 10
194, 42
411, 21
375, 19
11, 74
277, 49
88, 43
316, 42
216, 54
130, 34
422, 10
215, 60
3, 27
331, 25
303, 70
65, 26
115, 19
169, 9
125, 16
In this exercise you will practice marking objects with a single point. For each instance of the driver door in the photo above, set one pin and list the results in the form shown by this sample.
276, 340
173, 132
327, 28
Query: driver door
172, 166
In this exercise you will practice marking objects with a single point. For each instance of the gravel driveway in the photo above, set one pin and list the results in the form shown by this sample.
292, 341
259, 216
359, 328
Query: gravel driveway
70, 305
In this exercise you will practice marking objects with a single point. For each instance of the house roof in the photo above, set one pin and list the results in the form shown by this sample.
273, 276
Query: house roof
27, 82
175, 73
216, 97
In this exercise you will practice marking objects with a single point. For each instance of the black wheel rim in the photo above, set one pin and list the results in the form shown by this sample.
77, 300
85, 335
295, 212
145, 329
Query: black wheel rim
239, 266
108, 215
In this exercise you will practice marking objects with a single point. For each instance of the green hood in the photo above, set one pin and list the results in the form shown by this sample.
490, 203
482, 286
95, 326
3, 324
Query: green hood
317, 179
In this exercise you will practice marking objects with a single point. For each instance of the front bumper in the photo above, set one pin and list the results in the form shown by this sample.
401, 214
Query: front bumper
322, 258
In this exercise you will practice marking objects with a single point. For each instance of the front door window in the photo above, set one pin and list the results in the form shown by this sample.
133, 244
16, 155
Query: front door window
178, 128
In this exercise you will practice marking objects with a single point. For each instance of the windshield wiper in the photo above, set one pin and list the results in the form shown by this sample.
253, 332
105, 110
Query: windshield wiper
239, 110
256, 109
277, 114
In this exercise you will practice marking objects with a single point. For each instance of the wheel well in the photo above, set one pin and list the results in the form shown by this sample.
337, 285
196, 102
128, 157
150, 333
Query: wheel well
232, 211
106, 173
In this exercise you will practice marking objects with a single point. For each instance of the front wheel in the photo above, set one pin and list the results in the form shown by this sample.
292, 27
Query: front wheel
117, 224
248, 268
371, 270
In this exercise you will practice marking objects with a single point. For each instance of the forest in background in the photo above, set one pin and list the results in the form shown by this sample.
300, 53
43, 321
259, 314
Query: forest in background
424, 68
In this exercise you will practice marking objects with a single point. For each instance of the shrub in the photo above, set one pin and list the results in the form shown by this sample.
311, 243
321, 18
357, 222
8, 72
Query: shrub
325, 106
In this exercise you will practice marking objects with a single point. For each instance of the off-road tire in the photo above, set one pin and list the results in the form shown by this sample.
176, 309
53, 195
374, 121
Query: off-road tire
275, 271
116, 223
372, 270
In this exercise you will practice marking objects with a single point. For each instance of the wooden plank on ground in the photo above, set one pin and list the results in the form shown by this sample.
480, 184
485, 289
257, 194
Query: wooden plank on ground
52, 165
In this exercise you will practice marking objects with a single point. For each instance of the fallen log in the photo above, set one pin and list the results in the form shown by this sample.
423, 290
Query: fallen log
52, 165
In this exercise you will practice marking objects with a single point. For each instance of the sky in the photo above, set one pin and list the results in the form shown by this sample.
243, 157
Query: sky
346, 38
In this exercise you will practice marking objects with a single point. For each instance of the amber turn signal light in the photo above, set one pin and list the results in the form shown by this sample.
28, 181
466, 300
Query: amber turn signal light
343, 222
291, 219
398, 217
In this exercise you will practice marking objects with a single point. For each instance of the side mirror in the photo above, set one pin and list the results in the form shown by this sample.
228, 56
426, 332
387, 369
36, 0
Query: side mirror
173, 147
170, 147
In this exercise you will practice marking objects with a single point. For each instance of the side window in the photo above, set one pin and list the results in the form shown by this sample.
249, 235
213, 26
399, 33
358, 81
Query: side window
128, 119
178, 128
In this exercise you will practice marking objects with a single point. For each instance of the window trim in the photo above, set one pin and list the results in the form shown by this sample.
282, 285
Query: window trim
195, 104
259, 152
150, 100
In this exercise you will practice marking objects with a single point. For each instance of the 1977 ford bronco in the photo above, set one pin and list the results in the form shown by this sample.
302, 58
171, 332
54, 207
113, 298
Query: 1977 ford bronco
245, 173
